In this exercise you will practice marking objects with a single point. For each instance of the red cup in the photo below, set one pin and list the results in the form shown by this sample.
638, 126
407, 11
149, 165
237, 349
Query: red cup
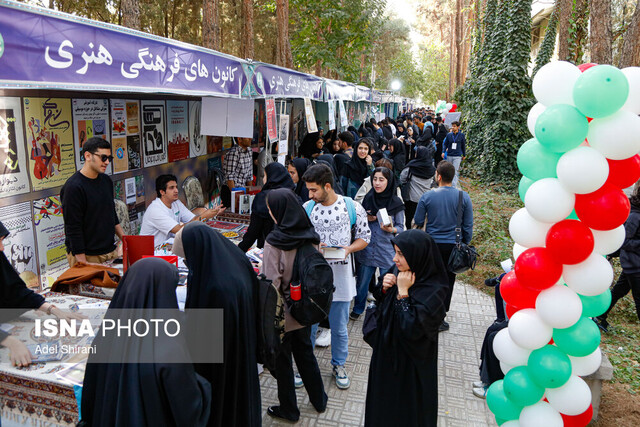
296, 292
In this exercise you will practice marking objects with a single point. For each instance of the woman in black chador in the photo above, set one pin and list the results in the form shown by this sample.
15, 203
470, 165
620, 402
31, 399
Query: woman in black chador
403, 375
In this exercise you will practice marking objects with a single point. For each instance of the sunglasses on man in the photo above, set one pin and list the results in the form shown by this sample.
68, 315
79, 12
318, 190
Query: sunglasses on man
103, 157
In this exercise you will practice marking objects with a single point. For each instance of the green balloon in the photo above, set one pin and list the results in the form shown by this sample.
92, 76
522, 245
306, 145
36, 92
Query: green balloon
520, 388
578, 340
524, 185
549, 367
573, 215
500, 421
536, 162
596, 305
561, 128
500, 404
600, 91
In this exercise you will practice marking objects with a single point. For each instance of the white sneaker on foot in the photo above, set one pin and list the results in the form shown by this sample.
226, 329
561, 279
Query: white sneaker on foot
342, 379
297, 381
324, 338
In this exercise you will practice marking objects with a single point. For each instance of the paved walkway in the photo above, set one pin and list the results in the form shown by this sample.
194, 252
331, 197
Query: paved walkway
459, 355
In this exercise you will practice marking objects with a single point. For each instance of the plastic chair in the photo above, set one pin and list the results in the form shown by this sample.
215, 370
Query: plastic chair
134, 248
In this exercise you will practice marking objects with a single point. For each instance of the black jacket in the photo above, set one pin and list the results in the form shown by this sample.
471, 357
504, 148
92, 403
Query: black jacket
630, 250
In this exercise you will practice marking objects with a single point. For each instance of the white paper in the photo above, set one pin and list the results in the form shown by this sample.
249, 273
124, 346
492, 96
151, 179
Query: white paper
213, 117
454, 145
283, 148
332, 115
130, 190
507, 265
282, 158
312, 126
284, 128
344, 121
451, 117
240, 118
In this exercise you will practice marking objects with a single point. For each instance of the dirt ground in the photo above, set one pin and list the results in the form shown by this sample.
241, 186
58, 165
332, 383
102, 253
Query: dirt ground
618, 407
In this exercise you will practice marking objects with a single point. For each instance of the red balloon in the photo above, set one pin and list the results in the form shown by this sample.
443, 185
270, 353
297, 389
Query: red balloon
511, 310
624, 173
570, 241
537, 269
604, 209
585, 67
515, 294
453, 108
580, 420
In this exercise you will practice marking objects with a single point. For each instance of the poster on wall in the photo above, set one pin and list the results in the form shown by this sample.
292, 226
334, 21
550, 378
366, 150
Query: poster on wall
154, 138
312, 126
19, 245
50, 141
90, 118
284, 133
344, 121
197, 141
332, 115
52, 252
178, 130
272, 129
133, 134
14, 178
119, 135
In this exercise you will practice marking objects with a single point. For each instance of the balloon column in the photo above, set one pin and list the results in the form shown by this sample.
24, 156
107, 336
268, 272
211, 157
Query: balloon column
584, 151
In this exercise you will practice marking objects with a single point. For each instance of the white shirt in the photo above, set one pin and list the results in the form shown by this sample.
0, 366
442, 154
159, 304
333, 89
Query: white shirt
158, 220
333, 225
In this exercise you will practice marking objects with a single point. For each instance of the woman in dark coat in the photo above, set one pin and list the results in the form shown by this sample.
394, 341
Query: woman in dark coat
403, 375
260, 224
397, 156
221, 276
144, 394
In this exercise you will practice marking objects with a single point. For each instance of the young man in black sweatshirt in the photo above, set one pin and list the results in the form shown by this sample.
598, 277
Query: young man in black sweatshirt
88, 208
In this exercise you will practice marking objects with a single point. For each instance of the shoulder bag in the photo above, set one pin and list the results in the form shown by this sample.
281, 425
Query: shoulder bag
463, 257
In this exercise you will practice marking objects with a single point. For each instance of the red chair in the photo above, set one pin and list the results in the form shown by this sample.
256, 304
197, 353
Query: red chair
171, 259
134, 248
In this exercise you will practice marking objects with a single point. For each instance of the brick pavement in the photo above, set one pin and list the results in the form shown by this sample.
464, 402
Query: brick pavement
458, 357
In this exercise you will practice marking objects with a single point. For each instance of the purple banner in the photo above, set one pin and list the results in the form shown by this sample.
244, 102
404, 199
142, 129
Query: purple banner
270, 80
335, 90
46, 49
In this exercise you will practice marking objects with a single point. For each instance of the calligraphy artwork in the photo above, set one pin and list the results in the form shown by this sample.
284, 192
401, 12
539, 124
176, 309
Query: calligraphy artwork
52, 252
49, 140
272, 129
197, 141
178, 130
90, 118
19, 245
14, 178
154, 138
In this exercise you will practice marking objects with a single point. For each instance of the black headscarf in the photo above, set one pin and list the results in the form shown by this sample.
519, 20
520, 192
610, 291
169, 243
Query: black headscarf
356, 168
3, 231
398, 155
388, 199
422, 165
144, 393
221, 276
308, 146
293, 227
301, 166
277, 177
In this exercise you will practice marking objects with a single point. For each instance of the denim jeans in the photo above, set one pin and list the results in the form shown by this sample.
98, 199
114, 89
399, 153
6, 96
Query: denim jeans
338, 319
365, 273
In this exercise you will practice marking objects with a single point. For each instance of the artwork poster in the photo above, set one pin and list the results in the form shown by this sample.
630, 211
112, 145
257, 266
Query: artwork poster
52, 252
272, 129
19, 245
90, 118
178, 130
14, 176
197, 141
154, 138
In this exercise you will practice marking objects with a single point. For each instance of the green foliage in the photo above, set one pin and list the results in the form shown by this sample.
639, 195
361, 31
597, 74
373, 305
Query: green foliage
548, 43
578, 30
496, 98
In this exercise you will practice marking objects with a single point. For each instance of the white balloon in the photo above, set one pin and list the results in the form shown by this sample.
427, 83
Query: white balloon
528, 330
540, 414
449, 105
616, 136
633, 101
505, 367
608, 241
526, 231
582, 170
553, 83
559, 307
512, 423
587, 365
508, 352
548, 201
591, 277
518, 249
573, 398
534, 113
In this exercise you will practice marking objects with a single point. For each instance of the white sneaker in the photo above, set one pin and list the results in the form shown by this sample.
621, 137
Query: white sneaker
370, 297
297, 381
342, 379
324, 337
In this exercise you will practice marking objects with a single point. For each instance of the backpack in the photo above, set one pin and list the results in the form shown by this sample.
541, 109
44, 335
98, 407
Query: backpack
315, 277
270, 322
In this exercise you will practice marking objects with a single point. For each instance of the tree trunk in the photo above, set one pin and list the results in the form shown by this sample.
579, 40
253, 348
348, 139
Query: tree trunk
131, 13
600, 37
247, 33
211, 24
452, 64
459, 47
284, 57
631, 44
563, 28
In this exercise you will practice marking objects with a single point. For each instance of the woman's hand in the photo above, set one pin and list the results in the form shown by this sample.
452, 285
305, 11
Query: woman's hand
405, 281
369, 160
389, 228
67, 315
19, 354
388, 281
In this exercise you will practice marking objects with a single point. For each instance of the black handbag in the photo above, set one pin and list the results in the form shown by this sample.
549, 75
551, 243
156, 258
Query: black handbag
463, 257
370, 324
406, 188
